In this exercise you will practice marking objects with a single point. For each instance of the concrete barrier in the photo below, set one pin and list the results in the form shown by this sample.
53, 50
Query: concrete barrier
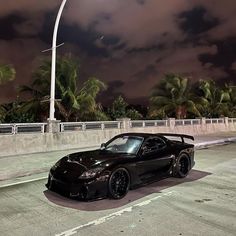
44, 142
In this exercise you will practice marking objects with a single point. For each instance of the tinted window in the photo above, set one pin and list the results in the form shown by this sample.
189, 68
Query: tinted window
154, 144
125, 144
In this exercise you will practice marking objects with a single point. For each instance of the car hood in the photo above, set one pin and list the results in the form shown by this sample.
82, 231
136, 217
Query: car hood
92, 159
73, 165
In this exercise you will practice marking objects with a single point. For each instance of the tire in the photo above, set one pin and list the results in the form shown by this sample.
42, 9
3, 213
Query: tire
182, 166
119, 183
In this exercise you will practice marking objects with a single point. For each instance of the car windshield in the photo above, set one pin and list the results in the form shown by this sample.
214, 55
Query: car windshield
125, 144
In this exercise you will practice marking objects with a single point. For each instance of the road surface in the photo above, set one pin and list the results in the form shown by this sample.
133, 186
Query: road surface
204, 203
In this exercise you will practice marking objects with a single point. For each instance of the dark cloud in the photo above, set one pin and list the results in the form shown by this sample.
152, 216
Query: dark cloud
110, 40
73, 34
8, 25
128, 44
149, 71
142, 2
158, 47
224, 58
114, 90
120, 46
196, 21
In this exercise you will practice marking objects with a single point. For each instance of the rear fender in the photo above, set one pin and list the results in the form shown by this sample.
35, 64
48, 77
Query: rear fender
187, 152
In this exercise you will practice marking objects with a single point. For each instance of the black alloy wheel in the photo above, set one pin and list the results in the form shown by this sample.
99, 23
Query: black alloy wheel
119, 183
182, 166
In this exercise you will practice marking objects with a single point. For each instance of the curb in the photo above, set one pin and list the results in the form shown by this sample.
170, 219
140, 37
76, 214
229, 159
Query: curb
206, 144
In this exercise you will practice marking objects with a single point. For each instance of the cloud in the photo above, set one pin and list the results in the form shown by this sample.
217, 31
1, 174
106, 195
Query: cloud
183, 60
23, 55
225, 12
134, 41
197, 21
186, 61
138, 25
26, 7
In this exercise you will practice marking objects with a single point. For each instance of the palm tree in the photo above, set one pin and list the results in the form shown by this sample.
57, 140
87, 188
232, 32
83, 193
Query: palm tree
89, 108
66, 89
71, 103
232, 103
214, 100
172, 97
37, 105
3, 113
7, 73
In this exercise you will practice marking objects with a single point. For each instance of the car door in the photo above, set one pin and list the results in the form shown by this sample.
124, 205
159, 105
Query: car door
154, 157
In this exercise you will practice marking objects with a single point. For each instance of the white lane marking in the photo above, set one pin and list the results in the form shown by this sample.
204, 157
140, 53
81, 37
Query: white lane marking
23, 182
103, 219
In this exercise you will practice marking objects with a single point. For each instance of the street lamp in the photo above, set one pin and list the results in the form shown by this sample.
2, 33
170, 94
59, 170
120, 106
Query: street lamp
53, 66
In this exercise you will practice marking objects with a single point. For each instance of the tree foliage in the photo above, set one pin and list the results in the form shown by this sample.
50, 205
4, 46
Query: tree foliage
120, 109
172, 97
89, 108
7, 73
215, 100
71, 102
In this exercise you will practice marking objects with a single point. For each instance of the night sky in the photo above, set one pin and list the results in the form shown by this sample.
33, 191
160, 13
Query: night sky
129, 44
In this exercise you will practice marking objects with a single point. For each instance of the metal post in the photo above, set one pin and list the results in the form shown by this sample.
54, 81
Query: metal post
53, 67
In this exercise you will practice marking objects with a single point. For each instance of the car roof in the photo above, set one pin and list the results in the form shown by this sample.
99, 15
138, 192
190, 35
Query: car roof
143, 135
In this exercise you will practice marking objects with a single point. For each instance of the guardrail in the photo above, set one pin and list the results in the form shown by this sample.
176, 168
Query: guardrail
232, 120
19, 128
94, 125
184, 122
22, 128
215, 121
148, 123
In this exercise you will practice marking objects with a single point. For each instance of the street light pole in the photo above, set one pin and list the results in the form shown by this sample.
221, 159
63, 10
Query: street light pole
53, 66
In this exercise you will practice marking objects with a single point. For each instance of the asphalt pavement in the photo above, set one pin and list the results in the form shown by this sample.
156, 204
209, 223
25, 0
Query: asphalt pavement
203, 203
30, 167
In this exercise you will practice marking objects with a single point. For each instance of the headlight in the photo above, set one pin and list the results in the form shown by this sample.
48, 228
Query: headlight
91, 173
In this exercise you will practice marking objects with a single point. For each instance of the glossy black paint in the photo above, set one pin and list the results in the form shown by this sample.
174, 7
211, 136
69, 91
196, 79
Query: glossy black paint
144, 167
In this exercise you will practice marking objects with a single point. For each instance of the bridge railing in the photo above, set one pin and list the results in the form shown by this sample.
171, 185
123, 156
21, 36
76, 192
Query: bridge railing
148, 123
232, 120
22, 128
183, 122
19, 128
93, 125
215, 121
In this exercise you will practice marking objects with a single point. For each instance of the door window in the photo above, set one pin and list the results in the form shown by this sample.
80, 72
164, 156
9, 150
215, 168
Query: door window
153, 145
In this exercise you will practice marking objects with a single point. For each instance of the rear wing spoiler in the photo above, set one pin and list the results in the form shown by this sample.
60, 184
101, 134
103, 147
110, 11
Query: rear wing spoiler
182, 136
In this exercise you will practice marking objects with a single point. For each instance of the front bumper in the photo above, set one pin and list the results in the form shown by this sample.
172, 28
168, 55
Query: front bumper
82, 190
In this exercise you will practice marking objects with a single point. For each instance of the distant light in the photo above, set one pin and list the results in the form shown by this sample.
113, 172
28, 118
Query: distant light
102, 37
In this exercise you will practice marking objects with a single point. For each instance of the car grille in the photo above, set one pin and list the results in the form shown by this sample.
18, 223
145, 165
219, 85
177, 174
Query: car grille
69, 173
67, 190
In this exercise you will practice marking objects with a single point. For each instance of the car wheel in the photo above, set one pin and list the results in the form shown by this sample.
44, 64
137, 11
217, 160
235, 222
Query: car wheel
119, 183
182, 167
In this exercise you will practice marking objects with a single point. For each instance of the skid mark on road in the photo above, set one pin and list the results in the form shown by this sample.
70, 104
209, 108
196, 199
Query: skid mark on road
103, 219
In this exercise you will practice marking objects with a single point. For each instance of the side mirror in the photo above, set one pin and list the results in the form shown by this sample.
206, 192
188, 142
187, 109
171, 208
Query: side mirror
103, 145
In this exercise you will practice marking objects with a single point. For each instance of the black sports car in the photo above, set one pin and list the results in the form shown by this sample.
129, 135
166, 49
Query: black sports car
125, 162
